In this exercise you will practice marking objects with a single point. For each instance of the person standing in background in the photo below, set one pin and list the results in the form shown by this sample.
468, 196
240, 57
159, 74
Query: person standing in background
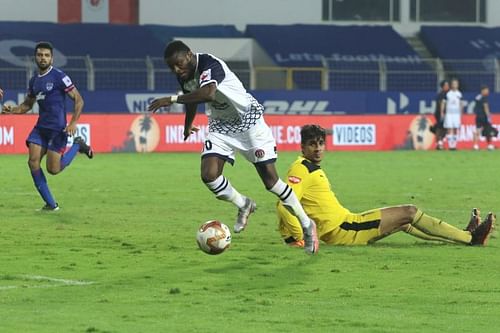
438, 128
483, 119
452, 108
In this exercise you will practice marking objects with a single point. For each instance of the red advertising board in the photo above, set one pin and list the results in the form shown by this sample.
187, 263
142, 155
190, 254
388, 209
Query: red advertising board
164, 133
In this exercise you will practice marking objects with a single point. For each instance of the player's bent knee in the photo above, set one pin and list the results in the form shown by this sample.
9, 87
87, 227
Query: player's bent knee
208, 178
53, 171
33, 164
411, 210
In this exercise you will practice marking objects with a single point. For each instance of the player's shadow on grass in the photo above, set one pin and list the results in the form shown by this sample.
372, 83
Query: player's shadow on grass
258, 272
56, 217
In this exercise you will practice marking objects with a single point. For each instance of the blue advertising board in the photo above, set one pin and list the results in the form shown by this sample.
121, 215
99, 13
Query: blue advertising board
279, 102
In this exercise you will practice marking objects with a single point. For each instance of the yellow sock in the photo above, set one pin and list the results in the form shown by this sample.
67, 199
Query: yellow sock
422, 235
435, 227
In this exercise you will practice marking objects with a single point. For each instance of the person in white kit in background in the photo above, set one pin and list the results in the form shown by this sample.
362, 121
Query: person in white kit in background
236, 124
452, 114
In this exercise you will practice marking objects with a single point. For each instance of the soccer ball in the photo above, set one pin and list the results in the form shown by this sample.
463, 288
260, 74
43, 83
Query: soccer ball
213, 237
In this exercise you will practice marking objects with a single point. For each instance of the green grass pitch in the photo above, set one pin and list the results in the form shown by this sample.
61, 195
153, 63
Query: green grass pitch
121, 255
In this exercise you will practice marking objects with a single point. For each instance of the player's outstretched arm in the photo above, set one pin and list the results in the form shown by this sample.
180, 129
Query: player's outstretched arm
202, 95
21, 108
74, 94
1, 93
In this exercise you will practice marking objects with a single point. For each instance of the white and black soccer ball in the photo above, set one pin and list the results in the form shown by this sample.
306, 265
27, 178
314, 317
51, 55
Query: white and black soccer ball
213, 237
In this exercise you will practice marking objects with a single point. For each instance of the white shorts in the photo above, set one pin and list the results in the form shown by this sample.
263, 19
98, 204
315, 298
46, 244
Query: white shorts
451, 120
257, 144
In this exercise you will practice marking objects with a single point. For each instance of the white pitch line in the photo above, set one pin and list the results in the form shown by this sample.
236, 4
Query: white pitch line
60, 282
63, 281
8, 287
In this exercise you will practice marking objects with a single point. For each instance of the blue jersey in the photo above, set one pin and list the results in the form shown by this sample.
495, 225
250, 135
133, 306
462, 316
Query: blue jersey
50, 90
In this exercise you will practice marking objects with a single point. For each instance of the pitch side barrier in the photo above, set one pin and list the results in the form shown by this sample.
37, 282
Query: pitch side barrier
164, 132
277, 102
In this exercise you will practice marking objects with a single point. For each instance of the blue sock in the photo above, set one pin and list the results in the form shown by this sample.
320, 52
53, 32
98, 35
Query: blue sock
42, 187
69, 155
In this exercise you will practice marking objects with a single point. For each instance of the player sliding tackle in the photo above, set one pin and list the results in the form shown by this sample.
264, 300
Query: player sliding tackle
236, 124
49, 87
338, 226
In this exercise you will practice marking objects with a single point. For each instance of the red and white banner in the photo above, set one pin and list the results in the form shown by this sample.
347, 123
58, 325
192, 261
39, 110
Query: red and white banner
98, 11
164, 133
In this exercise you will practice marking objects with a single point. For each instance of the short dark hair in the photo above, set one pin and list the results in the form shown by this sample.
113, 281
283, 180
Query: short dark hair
484, 86
175, 47
442, 83
309, 132
44, 45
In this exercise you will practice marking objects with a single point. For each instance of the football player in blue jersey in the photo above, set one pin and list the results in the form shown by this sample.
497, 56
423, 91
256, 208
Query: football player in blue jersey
49, 88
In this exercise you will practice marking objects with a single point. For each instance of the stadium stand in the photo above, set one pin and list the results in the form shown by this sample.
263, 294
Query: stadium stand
479, 45
314, 57
117, 56
358, 57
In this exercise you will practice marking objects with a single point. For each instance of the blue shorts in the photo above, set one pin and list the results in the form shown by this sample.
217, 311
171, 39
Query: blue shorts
47, 138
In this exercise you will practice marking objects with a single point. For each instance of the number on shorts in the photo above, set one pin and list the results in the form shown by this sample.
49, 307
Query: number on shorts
208, 145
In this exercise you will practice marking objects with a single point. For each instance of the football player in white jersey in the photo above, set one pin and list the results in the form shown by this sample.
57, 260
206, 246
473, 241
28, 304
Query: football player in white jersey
453, 108
236, 124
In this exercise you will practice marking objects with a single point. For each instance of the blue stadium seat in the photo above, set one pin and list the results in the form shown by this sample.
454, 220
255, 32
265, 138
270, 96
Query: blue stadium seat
479, 45
352, 54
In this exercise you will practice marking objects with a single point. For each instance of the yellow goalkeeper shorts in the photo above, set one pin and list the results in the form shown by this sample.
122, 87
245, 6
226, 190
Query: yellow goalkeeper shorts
357, 229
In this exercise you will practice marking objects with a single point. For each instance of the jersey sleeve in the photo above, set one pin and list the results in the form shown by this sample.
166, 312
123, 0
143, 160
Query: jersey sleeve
297, 179
66, 83
289, 225
211, 71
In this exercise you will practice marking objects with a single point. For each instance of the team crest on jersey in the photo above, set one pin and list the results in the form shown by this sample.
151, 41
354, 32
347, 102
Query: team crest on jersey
206, 75
49, 86
294, 180
259, 153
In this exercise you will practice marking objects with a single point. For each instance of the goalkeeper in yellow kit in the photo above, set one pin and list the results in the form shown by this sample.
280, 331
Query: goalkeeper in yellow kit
338, 226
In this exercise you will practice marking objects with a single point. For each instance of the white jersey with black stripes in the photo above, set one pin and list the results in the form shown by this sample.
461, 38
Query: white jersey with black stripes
234, 110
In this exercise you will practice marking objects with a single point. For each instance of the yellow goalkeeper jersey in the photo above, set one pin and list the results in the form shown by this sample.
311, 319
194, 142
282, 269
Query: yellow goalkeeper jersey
313, 189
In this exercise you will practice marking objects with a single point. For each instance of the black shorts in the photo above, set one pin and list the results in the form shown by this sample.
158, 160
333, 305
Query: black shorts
488, 130
482, 122
437, 126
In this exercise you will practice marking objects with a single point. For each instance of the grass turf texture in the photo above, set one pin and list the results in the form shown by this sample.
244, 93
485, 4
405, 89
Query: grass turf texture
128, 224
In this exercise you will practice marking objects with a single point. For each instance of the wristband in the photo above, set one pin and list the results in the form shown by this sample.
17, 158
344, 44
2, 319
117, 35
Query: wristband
174, 98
